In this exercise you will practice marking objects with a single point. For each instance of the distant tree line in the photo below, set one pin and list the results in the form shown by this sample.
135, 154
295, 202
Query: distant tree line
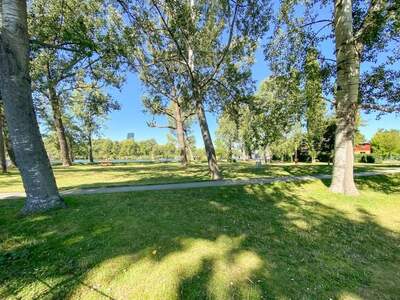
128, 149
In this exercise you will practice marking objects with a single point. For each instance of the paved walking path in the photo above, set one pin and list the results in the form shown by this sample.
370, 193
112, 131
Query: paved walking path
198, 184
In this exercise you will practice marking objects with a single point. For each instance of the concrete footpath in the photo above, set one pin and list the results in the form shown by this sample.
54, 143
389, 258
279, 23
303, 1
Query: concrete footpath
198, 184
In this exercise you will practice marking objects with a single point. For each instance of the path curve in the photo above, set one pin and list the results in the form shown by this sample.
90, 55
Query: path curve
197, 184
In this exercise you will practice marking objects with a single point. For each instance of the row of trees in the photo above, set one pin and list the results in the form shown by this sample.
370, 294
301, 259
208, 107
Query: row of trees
192, 56
105, 149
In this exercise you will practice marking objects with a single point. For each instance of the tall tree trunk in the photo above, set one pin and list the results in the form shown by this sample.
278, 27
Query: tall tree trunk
180, 132
230, 152
32, 161
60, 130
71, 152
90, 148
208, 144
348, 69
201, 115
189, 152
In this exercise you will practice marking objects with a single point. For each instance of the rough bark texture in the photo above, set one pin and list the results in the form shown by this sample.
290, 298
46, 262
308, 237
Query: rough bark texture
208, 144
7, 143
59, 126
348, 66
32, 161
180, 132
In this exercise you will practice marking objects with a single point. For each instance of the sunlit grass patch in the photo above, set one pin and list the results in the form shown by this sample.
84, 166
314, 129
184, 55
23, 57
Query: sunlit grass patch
278, 241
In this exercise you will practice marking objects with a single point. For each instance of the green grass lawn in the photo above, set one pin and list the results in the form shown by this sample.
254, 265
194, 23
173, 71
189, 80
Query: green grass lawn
86, 176
278, 241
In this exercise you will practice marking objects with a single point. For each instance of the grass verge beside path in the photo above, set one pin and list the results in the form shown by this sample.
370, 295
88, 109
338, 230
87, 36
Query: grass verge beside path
278, 241
88, 176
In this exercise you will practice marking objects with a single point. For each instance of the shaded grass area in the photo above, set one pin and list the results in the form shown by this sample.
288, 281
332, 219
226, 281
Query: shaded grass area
278, 241
88, 176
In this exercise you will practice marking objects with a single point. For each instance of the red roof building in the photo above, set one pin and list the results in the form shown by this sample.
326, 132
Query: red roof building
364, 148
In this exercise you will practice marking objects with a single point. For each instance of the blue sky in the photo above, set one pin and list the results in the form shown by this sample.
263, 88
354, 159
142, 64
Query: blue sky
131, 117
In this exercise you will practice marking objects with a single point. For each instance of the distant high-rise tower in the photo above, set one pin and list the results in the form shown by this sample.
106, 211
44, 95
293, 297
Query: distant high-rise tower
130, 136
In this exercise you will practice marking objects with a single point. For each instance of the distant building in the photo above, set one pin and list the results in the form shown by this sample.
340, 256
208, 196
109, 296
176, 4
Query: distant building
364, 148
130, 136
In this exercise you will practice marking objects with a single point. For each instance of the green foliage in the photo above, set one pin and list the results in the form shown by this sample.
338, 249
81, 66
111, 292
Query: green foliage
315, 107
301, 26
386, 143
75, 48
227, 137
359, 138
274, 111
130, 149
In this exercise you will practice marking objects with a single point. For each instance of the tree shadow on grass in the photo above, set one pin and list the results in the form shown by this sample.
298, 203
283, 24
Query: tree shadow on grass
386, 184
382, 183
248, 242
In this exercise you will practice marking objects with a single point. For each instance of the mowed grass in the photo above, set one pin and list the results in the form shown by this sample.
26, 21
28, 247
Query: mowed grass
278, 241
88, 176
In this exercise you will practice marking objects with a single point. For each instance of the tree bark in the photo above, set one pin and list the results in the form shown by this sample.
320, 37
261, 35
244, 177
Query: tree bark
180, 132
230, 153
32, 161
208, 144
348, 69
90, 149
71, 152
7, 143
59, 126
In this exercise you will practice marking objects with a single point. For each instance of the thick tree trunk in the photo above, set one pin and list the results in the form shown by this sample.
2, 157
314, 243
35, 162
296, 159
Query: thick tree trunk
348, 66
180, 132
32, 161
90, 149
59, 126
208, 144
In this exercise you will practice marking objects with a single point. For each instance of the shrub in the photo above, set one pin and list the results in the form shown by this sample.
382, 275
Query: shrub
366, 158
370, 159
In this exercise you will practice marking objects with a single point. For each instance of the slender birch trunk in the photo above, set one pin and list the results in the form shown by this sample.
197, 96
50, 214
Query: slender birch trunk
32, 161
59, 126
208, 144
90, 148
348, 74
180, 132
